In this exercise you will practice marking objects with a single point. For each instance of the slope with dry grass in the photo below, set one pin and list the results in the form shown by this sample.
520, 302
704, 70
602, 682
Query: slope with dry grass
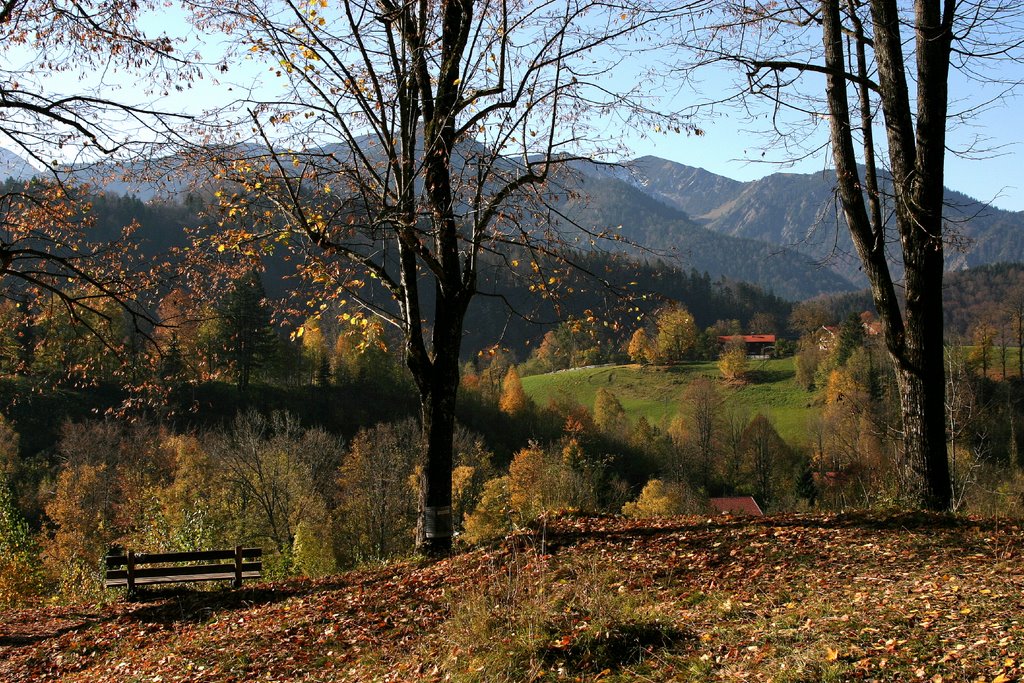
788, 598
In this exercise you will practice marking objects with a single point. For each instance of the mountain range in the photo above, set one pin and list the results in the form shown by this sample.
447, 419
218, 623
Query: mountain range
800, 212
784, 232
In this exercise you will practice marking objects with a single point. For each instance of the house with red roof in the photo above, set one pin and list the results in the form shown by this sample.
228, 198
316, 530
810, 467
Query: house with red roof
758, 345
737, 505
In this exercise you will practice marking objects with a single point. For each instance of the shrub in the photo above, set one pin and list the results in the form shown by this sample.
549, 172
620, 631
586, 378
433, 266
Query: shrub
313, 550
541, 480
492, 516
733, 362
663, 499
20, 578
276, 474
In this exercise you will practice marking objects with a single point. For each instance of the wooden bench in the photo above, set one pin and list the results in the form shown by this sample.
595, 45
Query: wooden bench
146, 569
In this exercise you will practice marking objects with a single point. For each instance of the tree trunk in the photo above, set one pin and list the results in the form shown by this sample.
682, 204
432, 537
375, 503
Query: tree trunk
438, 394
434, 526
922, 404
914, 338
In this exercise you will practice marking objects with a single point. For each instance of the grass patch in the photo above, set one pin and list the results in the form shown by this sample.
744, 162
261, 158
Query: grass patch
656, 392
538, 619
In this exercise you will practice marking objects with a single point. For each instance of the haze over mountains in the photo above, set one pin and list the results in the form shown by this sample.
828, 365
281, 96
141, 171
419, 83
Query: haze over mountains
783, 232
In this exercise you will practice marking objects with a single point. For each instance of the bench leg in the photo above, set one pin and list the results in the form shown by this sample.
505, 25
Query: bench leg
237, 583
131, 574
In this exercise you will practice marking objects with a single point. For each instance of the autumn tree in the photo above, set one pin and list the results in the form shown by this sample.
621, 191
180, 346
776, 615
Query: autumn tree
108, 476
576, 342
549, 354
19, 571
178, 334
640, 349
609, 415
809, 316
734, 422
378, 499
1014, 306
983, 337
513, 399
809, 357
766, 456
361, 354
60, 112
278, 472
314, 351
732, 362
677, 334
702, 406
664, 499
851, 66
762, 323
427, 129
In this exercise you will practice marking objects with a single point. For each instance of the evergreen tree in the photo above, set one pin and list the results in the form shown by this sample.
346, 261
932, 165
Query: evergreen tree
246, 336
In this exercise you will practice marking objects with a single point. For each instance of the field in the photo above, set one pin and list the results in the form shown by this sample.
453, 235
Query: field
655, 392
791, 599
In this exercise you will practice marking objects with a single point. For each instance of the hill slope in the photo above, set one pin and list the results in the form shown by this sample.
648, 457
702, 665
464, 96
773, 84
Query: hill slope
602, 201
775, 232
792, 598
656, 392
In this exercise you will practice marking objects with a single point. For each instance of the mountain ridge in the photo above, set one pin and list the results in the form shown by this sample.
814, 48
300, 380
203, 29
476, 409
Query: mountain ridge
783, 232
799, 211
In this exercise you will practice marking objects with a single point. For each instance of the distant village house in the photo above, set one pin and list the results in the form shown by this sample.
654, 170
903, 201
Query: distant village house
758, 345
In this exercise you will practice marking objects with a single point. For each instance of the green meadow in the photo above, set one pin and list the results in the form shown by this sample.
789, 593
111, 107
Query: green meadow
657, 392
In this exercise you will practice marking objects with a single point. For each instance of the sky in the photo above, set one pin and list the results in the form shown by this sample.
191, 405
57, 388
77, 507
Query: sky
731, 146
731, 149
737, 148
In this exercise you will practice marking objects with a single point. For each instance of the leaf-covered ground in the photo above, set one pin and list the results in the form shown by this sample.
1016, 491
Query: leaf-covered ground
788, 598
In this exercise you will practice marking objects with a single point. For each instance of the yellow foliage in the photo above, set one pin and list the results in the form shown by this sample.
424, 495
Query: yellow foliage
641, 349
841, 386
513, 399
82, 511
733, 363
660, 499
491, 517
19, 575
462, 490
677, 334
312, 550
526, 475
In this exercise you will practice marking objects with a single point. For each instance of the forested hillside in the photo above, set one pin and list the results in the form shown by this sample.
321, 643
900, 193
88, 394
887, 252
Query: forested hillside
990, 295
604, 202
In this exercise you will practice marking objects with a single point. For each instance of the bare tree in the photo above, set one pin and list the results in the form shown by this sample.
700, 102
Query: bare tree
280, 471
702, 405
765, 455
856, 64
419, 130
1014, 306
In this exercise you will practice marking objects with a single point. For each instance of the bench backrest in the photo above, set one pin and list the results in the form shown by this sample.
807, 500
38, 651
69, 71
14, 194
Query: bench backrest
126, 570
